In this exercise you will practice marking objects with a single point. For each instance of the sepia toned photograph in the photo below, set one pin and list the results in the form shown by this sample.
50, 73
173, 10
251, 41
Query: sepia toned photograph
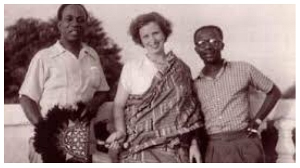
149, 83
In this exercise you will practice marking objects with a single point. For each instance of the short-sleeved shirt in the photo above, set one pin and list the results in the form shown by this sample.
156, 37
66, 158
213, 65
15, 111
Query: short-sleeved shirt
137, 75
225, 98
56, 77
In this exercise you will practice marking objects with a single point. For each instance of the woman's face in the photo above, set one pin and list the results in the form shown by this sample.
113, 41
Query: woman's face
152, 38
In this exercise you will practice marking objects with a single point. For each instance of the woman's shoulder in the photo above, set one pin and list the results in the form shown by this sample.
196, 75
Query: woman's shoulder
181, 64
134, 63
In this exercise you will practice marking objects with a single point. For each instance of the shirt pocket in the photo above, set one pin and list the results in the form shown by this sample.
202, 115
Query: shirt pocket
55, 78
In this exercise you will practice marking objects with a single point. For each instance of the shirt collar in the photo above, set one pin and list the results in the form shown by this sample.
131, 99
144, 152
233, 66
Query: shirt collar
169, 57
201, 75
86, 50
59, 50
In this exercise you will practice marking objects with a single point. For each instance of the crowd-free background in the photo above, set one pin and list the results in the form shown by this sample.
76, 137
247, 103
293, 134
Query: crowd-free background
263, 35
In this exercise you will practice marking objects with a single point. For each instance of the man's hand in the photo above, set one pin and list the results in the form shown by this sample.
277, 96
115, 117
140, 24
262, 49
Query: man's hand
253, 127
270, 101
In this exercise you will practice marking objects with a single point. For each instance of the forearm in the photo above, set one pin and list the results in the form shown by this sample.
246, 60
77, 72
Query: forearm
31, 110
269, 103
94, 104
119, 119
99, 98
119, 107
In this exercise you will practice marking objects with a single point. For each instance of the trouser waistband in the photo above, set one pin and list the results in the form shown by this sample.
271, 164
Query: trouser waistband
225, 136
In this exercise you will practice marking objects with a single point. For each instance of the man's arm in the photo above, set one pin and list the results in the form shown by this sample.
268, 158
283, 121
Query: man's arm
269, 103
31, 109
93, 105
98, 99
267, 106
263, 83
191, 141
194, 152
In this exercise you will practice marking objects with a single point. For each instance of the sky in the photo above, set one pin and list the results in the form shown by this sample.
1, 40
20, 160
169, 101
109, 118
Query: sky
263, 35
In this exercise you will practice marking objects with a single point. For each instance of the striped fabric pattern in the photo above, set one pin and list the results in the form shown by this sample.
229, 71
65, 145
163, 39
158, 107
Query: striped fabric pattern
167, 110
225, 100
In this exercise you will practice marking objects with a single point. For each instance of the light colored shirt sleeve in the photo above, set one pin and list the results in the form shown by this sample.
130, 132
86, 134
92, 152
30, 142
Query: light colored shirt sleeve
103, 83
259, 80
33, 83
125, 78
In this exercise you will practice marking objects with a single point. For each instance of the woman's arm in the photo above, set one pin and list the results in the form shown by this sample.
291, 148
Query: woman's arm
118, 113
118, 109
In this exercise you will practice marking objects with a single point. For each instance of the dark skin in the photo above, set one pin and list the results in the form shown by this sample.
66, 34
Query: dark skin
71, 27
212, 58
210, 55
31, 110
93, 105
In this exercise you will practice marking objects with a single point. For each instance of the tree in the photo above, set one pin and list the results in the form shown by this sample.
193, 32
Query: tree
28, 36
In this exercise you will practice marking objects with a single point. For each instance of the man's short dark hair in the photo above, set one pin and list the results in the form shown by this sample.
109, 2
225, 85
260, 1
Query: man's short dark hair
142, 20
63, 6
215, 28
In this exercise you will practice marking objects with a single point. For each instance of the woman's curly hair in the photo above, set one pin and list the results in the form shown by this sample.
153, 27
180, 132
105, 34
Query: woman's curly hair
142, 20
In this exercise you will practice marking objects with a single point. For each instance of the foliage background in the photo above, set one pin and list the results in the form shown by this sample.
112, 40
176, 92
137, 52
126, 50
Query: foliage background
29, 35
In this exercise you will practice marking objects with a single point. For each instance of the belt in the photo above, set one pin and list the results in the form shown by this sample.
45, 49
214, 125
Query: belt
226, 136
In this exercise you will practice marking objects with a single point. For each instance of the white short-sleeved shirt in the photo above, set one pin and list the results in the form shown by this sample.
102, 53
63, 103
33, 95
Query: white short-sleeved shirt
137, 75
56, 77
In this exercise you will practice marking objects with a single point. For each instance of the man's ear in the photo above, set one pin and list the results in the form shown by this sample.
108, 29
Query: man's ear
196, 49
222, 46
58, 25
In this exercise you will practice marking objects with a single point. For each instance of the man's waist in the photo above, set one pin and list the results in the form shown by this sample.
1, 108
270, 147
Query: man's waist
229, 135
219, 127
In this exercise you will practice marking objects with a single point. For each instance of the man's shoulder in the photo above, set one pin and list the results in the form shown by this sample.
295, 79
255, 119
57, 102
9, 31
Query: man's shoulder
46, 52
239, 64
90, 50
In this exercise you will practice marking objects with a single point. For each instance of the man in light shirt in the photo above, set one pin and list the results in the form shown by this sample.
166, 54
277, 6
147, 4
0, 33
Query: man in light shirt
64, 74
